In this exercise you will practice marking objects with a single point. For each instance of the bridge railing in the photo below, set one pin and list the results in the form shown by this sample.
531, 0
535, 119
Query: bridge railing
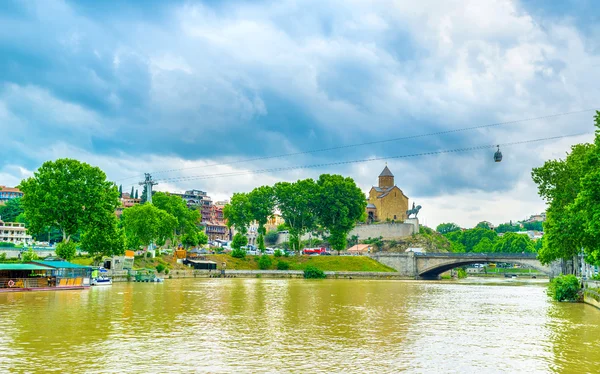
479, 255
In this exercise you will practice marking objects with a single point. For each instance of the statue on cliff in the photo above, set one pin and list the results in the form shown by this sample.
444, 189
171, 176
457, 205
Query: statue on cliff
414, 210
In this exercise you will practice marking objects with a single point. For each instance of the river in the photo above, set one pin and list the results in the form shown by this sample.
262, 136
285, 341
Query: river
273, 325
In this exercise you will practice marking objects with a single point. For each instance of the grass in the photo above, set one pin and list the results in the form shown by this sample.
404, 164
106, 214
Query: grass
324, 263
83, 260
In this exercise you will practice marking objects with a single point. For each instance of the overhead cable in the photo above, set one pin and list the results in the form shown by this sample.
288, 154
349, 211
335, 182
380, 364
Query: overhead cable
369, 143
312, 166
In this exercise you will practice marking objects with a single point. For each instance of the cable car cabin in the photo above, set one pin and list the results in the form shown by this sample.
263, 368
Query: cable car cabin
498, 155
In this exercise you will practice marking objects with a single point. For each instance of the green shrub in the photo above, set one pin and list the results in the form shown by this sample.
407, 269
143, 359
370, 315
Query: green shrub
565, 288
148, 255
167, 271
278, 253
7, 245
2, 256
29, 255
238, 253
66, 250
286, 254
264, 262
461, 273
160, 268
283, 265
311, 272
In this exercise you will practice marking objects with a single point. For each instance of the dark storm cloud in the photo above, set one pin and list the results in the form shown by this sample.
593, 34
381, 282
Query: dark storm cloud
230, 80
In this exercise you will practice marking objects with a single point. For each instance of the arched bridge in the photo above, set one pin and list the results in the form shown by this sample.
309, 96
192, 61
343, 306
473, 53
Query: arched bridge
431, 265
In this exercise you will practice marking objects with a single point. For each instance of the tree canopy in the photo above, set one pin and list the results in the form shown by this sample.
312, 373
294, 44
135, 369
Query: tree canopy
105, 238
11, 210
69, 195
341, 205
570, 186
238, 212
186, 218
145, 224
444, 228
262, 204
298, 207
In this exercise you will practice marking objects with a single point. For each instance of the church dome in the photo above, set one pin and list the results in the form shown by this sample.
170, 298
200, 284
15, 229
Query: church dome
386, 172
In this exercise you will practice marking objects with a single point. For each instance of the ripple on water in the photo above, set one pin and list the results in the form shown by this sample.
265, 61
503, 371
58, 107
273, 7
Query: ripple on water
260, 325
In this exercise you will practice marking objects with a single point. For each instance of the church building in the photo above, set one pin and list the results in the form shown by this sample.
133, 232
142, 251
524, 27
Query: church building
386, 201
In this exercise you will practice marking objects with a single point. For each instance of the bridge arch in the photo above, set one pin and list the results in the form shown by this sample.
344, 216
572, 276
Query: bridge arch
431, 268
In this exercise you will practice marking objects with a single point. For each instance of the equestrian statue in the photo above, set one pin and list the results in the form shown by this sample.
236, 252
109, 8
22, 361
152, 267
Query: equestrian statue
414, 210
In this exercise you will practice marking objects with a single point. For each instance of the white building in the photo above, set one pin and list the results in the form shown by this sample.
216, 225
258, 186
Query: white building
12, 232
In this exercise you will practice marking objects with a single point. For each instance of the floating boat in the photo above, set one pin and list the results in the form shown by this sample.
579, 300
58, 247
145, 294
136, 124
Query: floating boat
147, 275
100, 278
101, 281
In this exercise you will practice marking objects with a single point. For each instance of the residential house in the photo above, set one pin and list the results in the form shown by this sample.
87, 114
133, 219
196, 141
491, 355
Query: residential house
9, 193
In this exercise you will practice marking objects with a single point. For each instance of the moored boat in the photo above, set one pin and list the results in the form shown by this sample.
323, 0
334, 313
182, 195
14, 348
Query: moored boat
100, 278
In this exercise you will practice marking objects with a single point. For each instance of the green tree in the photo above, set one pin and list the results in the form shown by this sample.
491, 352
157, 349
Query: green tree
560, 183
66, 250
190, 239
202, 238
262, 204
145, 224
69, 195
514, 243
121, 190
341, 204
10, 211
535, 226
239, 240
144, 197
485, 245
445, 228
136, 194
131, 193
104, 238
506, 227
238, 213
271, 237
177, 207
483, 225
298, 206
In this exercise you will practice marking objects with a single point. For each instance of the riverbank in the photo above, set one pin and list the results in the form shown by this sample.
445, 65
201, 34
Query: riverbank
591, 293
122, 276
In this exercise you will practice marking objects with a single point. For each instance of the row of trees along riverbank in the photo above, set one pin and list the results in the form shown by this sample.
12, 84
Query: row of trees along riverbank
331, 205
76, 201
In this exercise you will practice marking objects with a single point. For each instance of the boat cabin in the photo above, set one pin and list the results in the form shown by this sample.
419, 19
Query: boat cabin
43, 275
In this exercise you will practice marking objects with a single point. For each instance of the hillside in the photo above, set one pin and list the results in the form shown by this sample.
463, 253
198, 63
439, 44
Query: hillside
428, 239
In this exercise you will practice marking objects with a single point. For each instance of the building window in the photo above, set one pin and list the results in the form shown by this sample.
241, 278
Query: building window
394, 216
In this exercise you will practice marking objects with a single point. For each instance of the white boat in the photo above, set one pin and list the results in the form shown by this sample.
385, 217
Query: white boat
101, 281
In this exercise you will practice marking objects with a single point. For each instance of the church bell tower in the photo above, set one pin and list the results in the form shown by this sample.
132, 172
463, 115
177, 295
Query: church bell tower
386, 178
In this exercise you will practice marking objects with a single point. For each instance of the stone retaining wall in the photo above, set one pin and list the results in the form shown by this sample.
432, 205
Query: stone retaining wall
121, 276
591, 293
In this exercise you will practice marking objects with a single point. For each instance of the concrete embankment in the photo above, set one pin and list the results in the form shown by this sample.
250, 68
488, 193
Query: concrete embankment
591, 293
121, 276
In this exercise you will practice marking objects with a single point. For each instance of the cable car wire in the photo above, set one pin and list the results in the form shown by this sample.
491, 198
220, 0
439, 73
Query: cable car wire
368, 143
288, 168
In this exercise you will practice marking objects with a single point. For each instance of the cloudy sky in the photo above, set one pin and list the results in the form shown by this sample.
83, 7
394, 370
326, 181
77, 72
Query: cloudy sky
177, 87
